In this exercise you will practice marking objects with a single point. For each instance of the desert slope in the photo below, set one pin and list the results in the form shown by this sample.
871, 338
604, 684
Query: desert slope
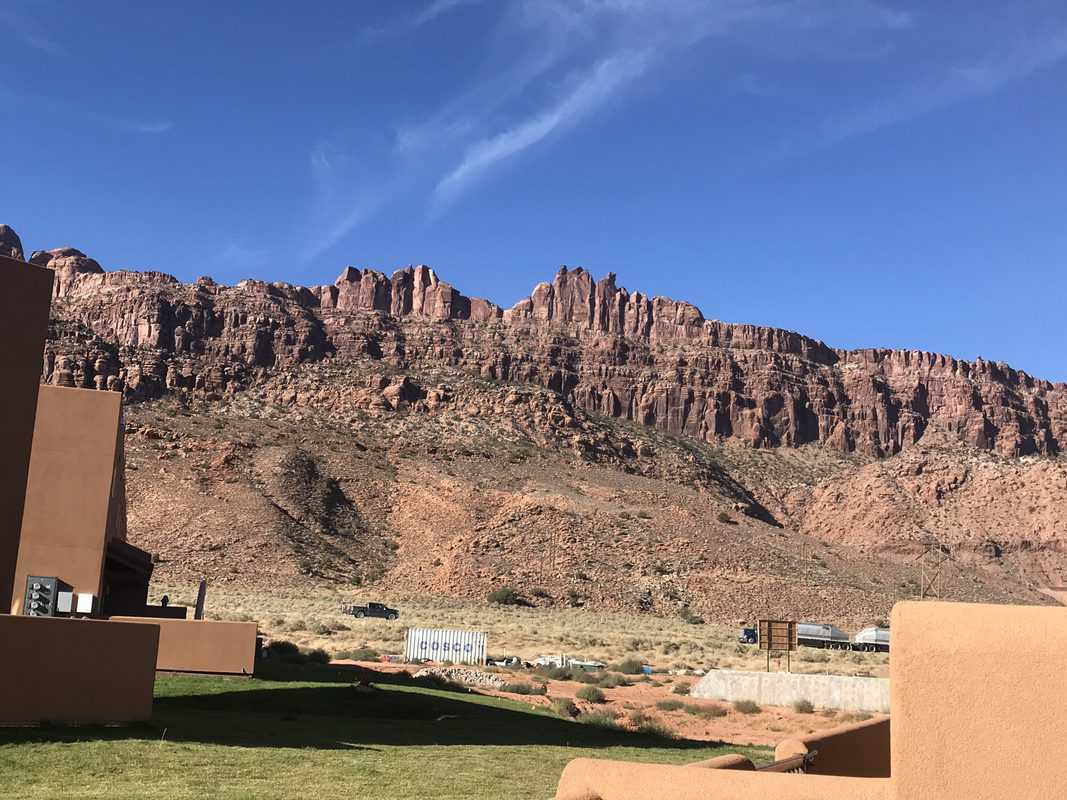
588, 446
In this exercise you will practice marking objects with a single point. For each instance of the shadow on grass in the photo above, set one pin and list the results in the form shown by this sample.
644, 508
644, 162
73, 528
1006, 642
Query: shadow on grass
328, 710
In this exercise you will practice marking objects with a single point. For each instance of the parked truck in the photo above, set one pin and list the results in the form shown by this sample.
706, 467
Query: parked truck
817, 634
872, 639
370, 610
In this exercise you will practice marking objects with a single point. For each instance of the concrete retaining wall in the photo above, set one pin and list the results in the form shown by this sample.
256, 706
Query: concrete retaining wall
785, 688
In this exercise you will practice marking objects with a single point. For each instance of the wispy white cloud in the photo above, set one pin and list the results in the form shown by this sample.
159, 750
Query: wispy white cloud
28, 31
429, 13
590, 92
552, 65
616, 42
239, 254
344, 196
1004, 65
153, 127
438, 8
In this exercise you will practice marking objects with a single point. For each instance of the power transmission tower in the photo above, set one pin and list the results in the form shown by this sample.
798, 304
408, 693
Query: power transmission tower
932, 560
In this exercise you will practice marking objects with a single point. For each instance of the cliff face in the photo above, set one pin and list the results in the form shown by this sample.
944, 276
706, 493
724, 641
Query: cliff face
654, 360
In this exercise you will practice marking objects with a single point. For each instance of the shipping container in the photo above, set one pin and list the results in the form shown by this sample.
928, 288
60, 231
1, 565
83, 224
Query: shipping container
439, 644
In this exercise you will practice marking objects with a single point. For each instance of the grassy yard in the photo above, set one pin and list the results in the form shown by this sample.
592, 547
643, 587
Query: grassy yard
319, 736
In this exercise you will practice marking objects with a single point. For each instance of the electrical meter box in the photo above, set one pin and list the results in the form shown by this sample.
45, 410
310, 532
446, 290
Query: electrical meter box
42, 596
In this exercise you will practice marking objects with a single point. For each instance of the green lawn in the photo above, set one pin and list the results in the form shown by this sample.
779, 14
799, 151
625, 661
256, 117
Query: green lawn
319, 737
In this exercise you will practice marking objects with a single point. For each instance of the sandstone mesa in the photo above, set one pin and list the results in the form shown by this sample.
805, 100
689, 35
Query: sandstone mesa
653, 360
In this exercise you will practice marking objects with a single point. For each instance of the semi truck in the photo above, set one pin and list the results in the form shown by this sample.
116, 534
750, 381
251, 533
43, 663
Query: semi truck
818, 634
872, 639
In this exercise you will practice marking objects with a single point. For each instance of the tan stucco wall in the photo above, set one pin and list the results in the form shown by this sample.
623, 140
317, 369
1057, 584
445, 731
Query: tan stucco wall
979, 702
24, 306
859, 751
188, 645
728, 761
70, 493
588, 779
75, 670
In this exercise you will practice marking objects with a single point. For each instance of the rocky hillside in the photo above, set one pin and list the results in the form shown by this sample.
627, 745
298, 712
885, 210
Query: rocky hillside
394, 429
655, 361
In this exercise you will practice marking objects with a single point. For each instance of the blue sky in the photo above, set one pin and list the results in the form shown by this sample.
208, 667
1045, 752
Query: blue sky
871, 174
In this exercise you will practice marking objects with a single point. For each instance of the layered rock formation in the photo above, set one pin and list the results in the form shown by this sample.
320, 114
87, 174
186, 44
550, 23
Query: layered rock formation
10, 243
652, 360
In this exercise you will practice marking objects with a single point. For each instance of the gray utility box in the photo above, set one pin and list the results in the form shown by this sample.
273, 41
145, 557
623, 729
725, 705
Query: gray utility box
43, 596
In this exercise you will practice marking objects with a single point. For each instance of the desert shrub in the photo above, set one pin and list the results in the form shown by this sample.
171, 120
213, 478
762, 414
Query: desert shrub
573, 598
590, 694
854, 716
317, 656
599, 719
581, 676
340, 626
297, 625
359, 654
612, 681
321, 630
564, 706
706, 712
681, 688
644, 515
724, 517
525, 688
655, 729
691, 618
815, 657
539, 592
630, 666
283, 651
504, 596
555, 673
747, 706
638, 717
669, 705
804, 707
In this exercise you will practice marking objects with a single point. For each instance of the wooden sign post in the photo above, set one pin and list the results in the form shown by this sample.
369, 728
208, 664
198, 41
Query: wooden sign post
778, 636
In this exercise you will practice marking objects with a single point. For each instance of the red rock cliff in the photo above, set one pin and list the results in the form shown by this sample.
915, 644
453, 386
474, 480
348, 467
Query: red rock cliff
653, 360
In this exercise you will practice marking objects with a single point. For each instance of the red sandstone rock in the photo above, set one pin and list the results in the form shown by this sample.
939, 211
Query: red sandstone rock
653, 360
10, 243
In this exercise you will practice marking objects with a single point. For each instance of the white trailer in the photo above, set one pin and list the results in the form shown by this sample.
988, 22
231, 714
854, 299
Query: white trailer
872, 638
816, 634
441, 644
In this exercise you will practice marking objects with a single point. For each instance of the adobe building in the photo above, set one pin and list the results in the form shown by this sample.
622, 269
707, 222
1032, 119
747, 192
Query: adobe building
74, 529
74, 520
977, 711
24, 308
74, 670
63, 520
